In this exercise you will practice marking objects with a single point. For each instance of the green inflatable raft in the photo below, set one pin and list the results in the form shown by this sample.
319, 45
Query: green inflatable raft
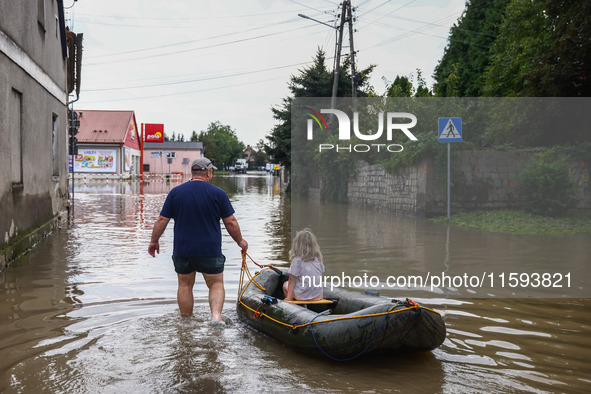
346, 324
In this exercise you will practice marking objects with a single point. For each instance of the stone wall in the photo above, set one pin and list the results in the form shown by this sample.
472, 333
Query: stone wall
484, 180
402, 193
480, 179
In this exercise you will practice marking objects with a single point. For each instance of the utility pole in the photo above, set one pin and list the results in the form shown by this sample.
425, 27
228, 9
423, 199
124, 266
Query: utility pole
351, 52
345, 17
335, 81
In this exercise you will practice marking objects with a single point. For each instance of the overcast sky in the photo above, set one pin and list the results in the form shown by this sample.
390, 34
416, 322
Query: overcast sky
188, 63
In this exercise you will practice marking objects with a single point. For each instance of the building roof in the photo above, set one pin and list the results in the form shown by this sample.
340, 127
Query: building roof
173, 145
103, 127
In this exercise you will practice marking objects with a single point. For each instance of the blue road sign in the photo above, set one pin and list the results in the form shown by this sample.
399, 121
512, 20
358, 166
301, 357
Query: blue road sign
450, 129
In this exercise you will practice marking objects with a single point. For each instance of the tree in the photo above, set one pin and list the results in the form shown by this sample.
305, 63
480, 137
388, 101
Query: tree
260, 157
194, 137
467, 53
570, 55
221, 144
422, 89
542, 50
523, 39
545, 187
279, 146
313, 81
403, 87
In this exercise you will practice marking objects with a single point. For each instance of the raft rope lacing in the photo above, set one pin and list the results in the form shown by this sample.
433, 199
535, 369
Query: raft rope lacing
244, 271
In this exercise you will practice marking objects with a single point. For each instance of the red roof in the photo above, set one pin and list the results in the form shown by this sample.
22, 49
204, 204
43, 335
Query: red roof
105, 127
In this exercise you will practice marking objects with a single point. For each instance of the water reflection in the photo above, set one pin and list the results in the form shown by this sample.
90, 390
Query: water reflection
355, 240
89, 311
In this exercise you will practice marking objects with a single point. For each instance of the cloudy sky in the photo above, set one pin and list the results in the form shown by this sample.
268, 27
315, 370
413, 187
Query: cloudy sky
188, 63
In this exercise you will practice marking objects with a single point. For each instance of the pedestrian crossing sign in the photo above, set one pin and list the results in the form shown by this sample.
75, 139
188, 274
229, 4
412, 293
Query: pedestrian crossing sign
450, 129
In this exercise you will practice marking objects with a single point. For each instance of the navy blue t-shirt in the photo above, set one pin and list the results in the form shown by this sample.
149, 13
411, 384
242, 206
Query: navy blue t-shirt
197, 208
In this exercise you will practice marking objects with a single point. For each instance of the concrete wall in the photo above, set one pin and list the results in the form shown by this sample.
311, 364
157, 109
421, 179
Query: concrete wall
480, 179
33, 125
36, 32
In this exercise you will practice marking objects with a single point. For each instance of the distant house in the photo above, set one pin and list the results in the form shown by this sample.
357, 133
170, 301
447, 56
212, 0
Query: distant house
249, 156
33, 124
170, 157
108, 142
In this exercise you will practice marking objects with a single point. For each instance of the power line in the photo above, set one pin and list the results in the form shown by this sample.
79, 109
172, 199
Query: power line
412, 32
193, 41
362, 4
133, 26
435, 25
197, 80
181, 93
196, 49
307, 6
185, 18
375, 8
391, 12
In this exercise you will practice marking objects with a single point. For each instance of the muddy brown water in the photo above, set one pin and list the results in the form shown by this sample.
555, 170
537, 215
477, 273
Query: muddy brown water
88, 310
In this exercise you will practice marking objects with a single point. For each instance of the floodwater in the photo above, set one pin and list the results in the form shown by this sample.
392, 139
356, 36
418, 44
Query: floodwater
88, 310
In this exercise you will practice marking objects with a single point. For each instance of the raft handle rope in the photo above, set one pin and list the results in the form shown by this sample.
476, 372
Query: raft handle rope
245, 271
244, 255
411, 304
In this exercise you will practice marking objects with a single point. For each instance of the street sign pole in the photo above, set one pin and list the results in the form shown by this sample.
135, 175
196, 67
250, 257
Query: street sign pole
450, 130
448, 181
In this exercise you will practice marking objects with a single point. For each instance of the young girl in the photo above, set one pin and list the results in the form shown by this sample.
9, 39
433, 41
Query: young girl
305, 270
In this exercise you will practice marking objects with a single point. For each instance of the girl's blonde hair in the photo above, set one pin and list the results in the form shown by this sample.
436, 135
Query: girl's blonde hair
305, 246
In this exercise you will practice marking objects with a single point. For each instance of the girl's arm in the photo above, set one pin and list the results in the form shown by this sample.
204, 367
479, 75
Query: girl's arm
290, 286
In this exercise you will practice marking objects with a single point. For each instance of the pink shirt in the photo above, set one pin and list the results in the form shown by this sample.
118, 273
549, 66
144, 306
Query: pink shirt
308, 284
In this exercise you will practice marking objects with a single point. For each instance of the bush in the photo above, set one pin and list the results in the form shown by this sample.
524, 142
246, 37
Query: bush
545, 187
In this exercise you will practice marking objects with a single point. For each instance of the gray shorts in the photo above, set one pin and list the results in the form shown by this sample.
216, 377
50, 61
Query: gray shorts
204, 265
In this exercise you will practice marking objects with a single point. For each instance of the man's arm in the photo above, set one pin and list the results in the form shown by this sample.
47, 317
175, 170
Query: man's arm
157, 231
234, 230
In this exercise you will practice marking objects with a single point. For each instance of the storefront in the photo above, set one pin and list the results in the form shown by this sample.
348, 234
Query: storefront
170, 157
108, 143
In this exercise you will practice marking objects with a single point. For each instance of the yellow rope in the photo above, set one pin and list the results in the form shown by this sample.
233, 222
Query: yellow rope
241, 290
244, 270
264, 314
334, 319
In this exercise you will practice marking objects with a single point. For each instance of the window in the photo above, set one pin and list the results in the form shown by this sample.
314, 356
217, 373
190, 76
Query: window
41, 13
55, 145
171, 155
15, 119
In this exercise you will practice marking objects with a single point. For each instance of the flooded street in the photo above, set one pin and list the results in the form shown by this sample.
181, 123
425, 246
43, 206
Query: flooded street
88, 310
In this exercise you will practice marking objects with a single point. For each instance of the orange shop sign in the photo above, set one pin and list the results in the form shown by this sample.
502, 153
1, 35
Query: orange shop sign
154, 132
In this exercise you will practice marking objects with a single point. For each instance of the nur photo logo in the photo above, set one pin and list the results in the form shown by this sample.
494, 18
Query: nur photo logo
389, 122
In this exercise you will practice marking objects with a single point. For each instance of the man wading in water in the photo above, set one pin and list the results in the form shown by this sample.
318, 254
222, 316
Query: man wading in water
197, 207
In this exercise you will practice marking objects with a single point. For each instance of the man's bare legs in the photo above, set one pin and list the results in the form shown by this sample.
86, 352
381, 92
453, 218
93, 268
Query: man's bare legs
184, 294
217, 294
